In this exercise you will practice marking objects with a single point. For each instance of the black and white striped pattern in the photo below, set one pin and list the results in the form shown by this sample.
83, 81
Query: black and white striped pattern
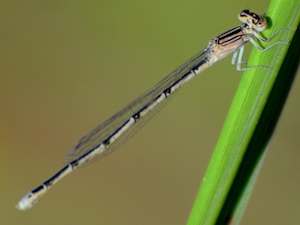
122, 126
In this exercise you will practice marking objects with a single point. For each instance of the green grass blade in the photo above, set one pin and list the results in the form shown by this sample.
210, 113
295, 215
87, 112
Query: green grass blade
250, 123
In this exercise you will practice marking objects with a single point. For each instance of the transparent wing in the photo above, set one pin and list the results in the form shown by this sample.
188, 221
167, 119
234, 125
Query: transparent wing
110, 126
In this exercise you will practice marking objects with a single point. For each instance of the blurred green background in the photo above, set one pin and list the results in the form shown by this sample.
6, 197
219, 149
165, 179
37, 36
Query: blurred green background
66, 66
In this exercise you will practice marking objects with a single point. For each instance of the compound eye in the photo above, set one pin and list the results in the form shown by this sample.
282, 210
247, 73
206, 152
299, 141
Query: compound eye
243, 15
261, 25
246, 11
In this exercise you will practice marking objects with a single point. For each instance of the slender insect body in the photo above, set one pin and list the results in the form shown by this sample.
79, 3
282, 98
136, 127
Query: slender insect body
115, 131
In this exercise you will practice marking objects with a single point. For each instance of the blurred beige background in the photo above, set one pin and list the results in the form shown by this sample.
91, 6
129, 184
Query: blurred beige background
66, 66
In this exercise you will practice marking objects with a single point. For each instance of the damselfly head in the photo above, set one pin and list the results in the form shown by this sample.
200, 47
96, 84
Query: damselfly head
255, 21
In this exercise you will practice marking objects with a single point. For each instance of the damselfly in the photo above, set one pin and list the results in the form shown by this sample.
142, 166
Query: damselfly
122, 126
